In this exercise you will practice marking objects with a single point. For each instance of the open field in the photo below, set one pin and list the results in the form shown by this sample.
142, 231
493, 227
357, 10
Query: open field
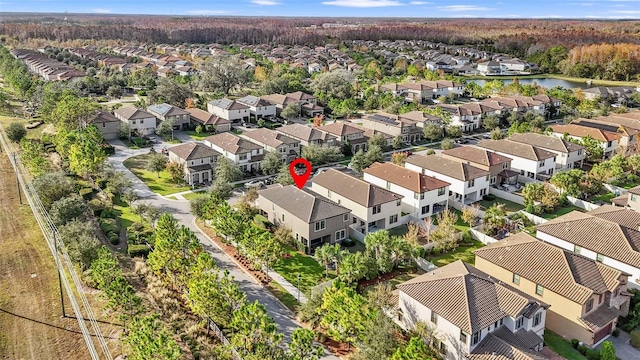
30, 310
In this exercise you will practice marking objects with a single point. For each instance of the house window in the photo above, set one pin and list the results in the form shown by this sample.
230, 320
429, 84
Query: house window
589, 306
243, 157
393, 219
320, 225
516, 279
273, 206
329, 194
443, 347
282, 217
609, 143
388, 185
345, 217
539, 289
377, 209
616, 292
425, 209
519, 322
600, 299
537, 319
500, 322
576, 249
463, 337
476, 338
341, 235
434, 317
599, 257
441, 191
472, 182
579, 152
339, 201
398, 202
483, 192
505, 165
633, 197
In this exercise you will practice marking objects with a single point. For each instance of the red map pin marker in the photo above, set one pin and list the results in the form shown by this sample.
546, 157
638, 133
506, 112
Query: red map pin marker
300, 179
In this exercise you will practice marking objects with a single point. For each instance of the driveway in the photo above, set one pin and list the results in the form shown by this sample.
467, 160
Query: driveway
624, 350
282, 316
182, 136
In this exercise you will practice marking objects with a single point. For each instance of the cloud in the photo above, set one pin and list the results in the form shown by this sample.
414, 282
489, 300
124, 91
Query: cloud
101, 11
420, 3
457, 8
207, 12
628, 12
265, 2
363, 3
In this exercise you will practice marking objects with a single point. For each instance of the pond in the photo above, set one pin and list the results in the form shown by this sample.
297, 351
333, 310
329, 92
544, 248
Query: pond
545, 82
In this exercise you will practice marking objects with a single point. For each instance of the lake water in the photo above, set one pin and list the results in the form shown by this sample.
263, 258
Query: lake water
546, 82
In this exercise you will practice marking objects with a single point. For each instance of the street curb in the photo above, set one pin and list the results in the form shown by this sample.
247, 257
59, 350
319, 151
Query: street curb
280, 303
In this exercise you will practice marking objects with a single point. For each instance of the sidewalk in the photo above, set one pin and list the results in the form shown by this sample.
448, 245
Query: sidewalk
294, 291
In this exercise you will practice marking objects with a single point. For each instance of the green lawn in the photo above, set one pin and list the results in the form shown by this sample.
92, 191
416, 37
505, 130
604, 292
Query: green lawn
197, 136
126, 216
509, 206
394, 281
283, 295
309, 269
561, 346
603, 197
161, 185
193, 195
561, 211
398, 230
463, 253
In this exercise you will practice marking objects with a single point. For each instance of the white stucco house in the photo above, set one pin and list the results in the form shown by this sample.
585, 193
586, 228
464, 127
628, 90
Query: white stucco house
246, 154
532, 161
141, 122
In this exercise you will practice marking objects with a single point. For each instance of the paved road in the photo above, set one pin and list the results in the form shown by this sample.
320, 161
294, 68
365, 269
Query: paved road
180, 210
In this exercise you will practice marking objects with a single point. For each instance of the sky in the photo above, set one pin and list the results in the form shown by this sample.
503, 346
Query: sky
602, 9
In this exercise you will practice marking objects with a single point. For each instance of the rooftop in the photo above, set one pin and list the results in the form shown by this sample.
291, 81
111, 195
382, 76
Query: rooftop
404, 177
352, 188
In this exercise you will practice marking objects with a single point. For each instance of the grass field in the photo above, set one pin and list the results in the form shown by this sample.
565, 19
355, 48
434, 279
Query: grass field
30, 310
197, 136
463, 253
561, 346
193, 195
509, 206
126, 216
161, 185
309, 269
561, 211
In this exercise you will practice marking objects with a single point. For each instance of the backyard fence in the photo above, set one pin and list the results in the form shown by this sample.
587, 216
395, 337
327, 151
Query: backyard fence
507, 195
582, 204
482, 237
218, 333
535, 219
615, 189
424, 264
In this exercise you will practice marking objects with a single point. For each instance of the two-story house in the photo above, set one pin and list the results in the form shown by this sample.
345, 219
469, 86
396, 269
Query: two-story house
231, 110
532, 162
165, 112
287, 147
203, 118
627, 129
372, 207
108, 124
141, 122
608, 140
586, 297
198, 161
308, 103
465, 117
568, 155
307, 135
468, 183
394, 125
473, 315
608, 235
246, 154
345, 132
498, 166
313, 219
422, 195
258, 107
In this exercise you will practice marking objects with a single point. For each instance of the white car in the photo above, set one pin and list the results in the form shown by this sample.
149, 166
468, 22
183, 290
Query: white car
254, 184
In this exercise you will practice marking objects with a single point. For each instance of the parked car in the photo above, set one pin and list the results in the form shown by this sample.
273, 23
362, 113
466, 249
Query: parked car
339, 166
486, 136
462, 141
254, 184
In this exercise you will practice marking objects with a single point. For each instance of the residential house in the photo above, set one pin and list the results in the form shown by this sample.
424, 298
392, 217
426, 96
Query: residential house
468, 183
394, 125
627, 129
108, 124
372, 207
619, 94
532, 161
258, 107
198, 161
307, 135
165, 112
203, 118
630, 200
489, 68
347, 133
422, 195
141, 122
498, 166
466, 117
473, 315
308, 103
608, 235
231, 110
569, 155
246, 154
608, 140
586, 297
286, 147
313, 219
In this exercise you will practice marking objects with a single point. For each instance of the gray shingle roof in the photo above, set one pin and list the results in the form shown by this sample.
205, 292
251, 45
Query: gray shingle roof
352, 188
454, 169
232, 143
546, 142
193, 150
166, 110
133, 113
305, 205
227, 104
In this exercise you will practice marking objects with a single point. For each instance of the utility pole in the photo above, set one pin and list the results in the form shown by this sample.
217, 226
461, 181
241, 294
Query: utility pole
55, 241
15, 157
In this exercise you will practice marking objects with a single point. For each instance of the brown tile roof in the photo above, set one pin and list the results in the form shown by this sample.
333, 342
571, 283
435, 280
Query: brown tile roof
269, 137
404, 177
359, 191
600, 317
232, 143
454, 169
635, 190
621, 200
477, 155
565, 273
517, 149
608, 230
494, 347
467, 297
103, 117
300, 96
206, 118
583, 131
607, 125
546, 142
303, 204
193, 150
340, 128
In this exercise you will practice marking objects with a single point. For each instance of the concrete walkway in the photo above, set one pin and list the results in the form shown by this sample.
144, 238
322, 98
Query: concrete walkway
294, 291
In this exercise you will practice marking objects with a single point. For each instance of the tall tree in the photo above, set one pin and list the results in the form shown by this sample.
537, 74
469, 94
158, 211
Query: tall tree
170, 92
254, 333
346, 314
271, 163
156, 163
222, 74
302, 346
87, 156
432, 131
149, 338
416, 349
73, 112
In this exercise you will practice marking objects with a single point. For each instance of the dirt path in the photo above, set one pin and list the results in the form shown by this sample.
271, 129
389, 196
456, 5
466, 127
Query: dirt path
31, 326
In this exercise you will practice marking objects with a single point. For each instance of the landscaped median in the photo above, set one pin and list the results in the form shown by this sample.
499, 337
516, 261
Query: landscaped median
159, 183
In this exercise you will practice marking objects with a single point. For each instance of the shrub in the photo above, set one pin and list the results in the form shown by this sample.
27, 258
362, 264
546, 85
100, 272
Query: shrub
142, 93
114, 238
108, 225
489, 197
96, 206
108, 213
615, 333
575, 343
447, 144
582, 349
466, 236
86, 193
635, 339
632, 178
431, 152
592, 354
16, 131
138, 250
348, 242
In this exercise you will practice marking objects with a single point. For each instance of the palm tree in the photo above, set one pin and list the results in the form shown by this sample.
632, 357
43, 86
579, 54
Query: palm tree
494, 217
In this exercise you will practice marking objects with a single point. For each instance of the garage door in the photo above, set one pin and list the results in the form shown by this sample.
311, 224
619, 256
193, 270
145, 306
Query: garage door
602, 333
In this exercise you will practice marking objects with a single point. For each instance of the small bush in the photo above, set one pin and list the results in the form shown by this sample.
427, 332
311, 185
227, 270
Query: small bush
593, 354
431, 152
109, 213
489, 197
466, 236
96, 206
575, 343
635, 339
615, 333
138, 251
114, 238
108, 225
582, 349
142, 93
86, 193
